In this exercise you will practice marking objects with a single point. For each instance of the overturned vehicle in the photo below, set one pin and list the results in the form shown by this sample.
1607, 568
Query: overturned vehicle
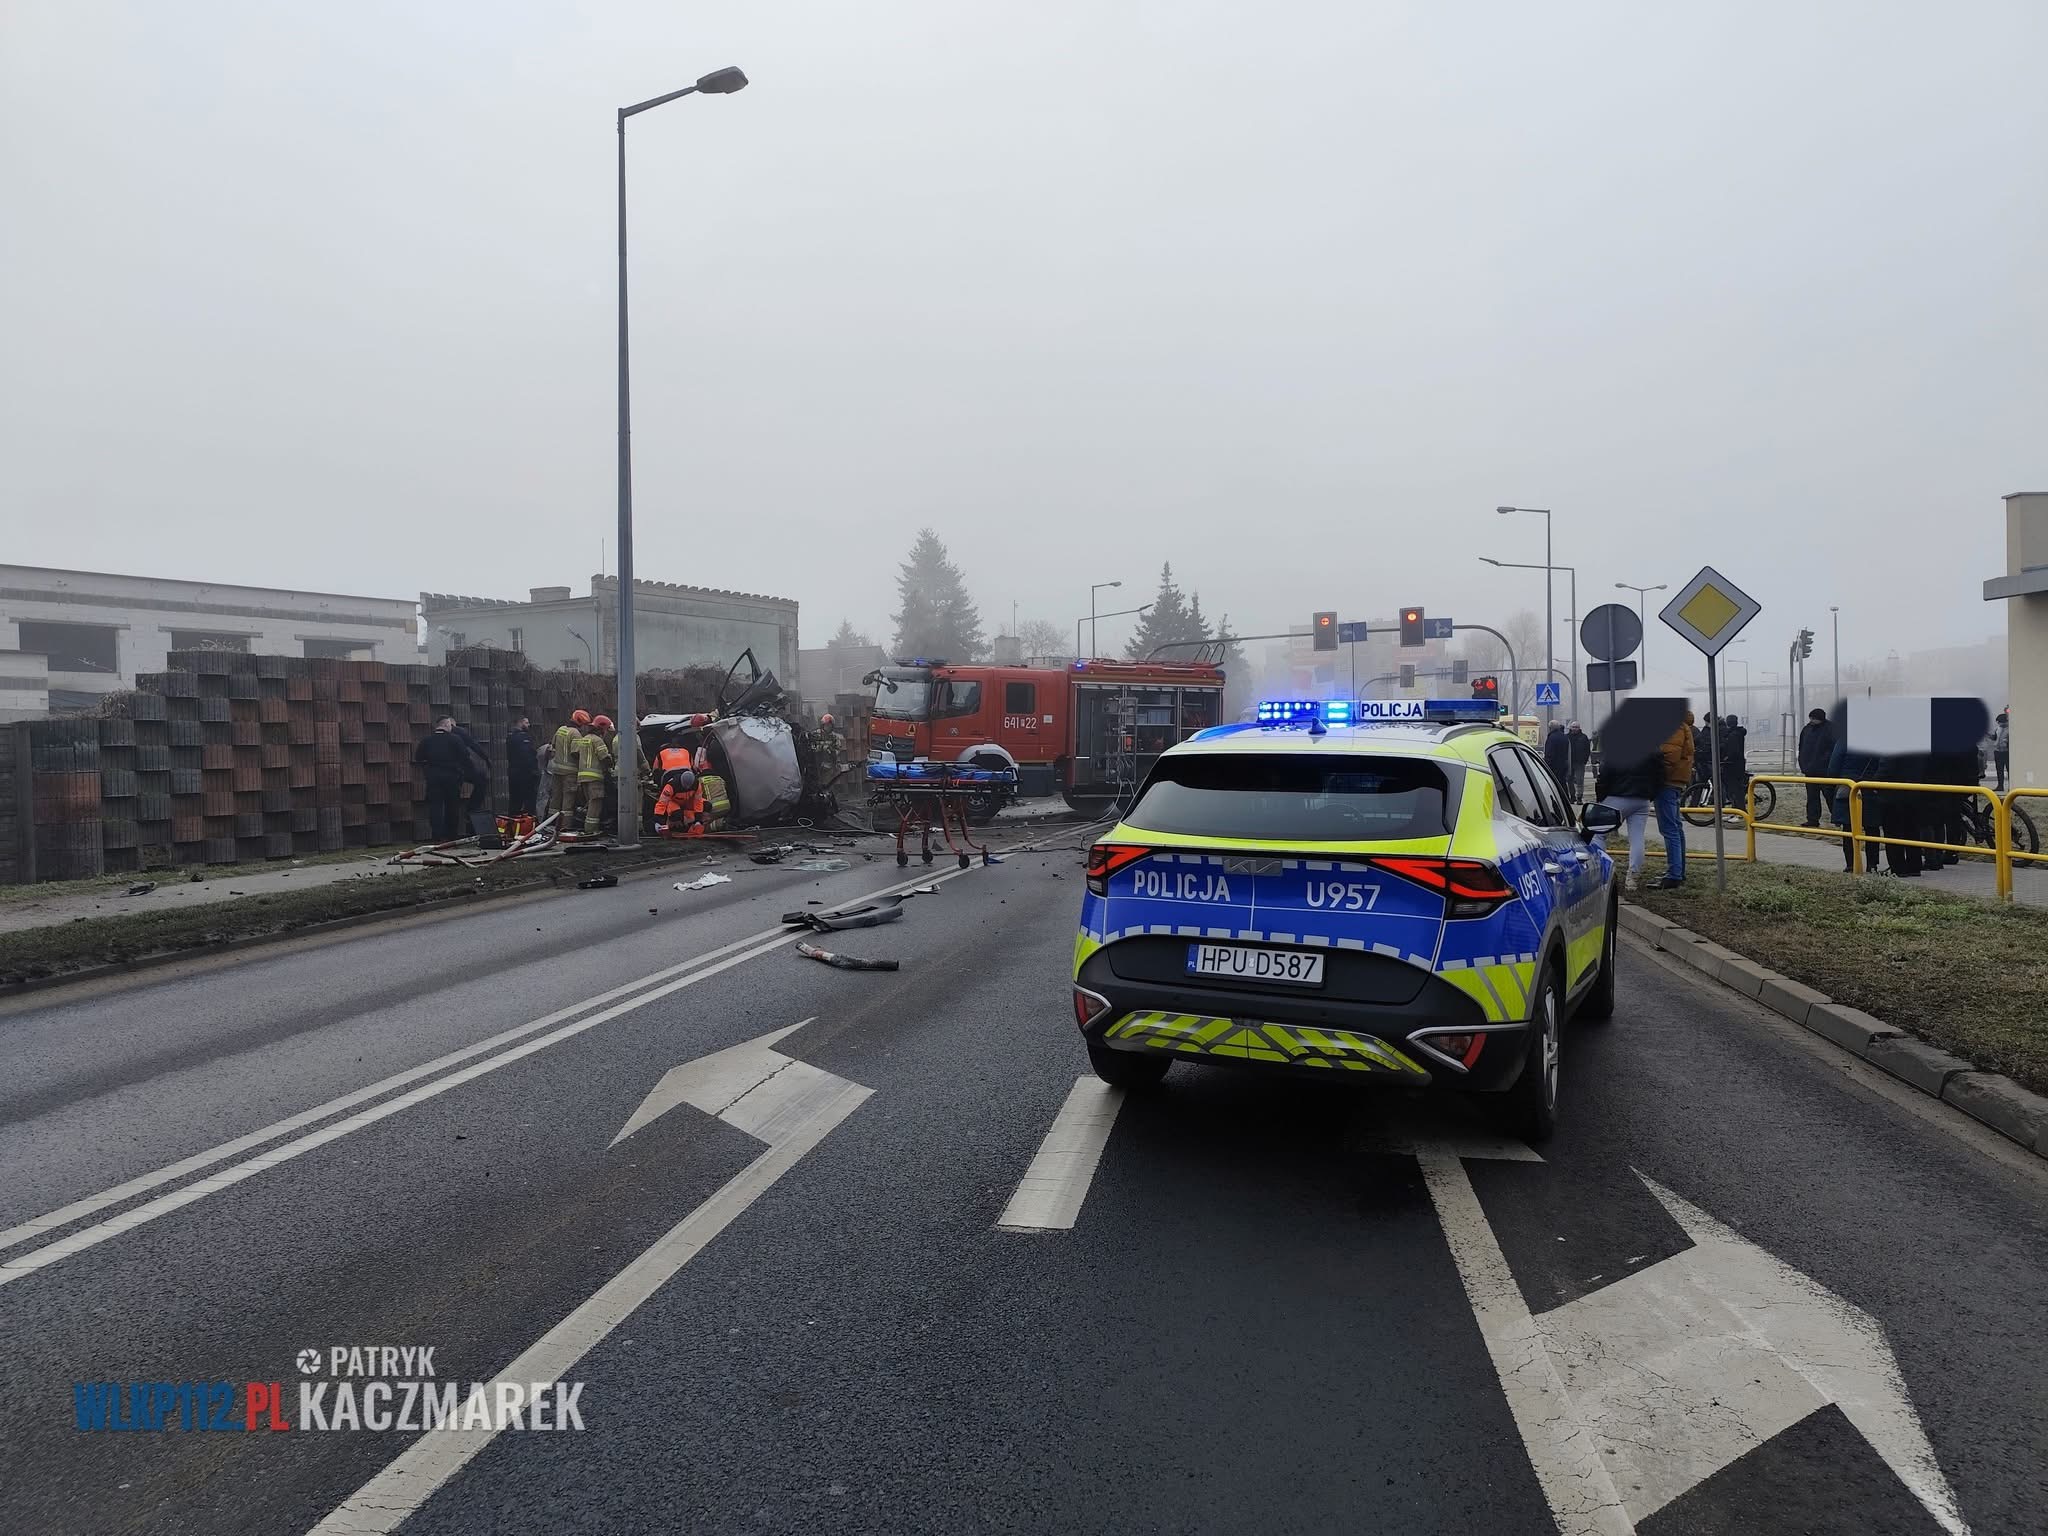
747, 764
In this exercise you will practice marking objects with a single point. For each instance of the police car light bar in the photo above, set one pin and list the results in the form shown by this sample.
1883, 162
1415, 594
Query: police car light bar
1376, 711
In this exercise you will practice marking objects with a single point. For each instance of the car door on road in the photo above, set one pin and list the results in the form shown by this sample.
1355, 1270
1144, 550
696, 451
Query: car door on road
1528, 792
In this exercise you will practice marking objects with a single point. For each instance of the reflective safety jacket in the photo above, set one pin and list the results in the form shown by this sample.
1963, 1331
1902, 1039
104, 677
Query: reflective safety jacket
565, 749
591, 756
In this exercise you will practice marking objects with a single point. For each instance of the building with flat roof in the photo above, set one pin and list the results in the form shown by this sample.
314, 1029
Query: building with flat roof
673, 627
98, 631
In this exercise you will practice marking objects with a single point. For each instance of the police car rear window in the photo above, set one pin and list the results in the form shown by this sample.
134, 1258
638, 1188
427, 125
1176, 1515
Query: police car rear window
1306, 798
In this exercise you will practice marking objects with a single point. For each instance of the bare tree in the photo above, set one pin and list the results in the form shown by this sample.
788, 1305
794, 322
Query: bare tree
1042, 637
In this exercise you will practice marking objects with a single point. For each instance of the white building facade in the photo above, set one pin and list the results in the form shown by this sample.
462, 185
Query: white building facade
97, 631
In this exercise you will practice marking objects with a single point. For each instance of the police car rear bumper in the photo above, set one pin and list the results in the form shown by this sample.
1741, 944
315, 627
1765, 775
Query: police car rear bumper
1395, 1042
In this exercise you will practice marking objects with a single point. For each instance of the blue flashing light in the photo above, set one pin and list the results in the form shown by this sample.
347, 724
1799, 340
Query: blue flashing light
1462, 710
1287, 711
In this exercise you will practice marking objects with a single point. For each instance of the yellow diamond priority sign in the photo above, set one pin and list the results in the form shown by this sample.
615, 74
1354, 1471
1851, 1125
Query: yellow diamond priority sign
1710, 610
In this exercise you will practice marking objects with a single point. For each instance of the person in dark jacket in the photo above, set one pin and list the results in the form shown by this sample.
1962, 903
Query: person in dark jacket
1557, 756
1581, 751
1845, 764
446, 764
1816, 747
478, 779
522, 768
1898, 812
1734, 762
1632, 788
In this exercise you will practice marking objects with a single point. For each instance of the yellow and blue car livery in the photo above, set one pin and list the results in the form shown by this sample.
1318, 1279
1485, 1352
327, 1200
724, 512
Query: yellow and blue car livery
1397, 892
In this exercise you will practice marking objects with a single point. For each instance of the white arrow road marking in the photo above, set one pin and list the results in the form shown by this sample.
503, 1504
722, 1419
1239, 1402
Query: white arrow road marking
1049, 1196
722, 1084
688, 973
732, 1085
1582, 1497
1680, 1368
1639, 1391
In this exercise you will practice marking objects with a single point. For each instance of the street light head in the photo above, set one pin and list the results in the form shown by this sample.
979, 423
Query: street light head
723, 82
1503, 510
1488, 559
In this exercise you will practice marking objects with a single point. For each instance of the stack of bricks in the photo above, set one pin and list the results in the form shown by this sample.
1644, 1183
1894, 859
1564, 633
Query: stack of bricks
227, 758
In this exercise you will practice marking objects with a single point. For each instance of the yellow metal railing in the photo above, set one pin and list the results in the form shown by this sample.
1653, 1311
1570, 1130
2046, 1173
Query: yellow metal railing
2001, 853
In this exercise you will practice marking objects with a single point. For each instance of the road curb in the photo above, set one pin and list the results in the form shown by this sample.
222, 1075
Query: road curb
1989, 1098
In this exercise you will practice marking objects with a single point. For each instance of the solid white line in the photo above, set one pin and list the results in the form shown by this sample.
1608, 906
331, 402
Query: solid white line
1049, 1196
65, 1215
696, 968
1582, 1496
384, 1502
88, 1237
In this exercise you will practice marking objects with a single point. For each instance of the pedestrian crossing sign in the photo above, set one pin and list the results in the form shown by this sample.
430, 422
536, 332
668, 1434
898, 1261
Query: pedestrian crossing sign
1710, 610
1549, 695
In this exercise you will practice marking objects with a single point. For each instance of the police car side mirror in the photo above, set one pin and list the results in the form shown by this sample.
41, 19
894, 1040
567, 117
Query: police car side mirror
1595, 820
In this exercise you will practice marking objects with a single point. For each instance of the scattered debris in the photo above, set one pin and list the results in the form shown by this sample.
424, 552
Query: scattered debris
845, 962
922, 890
869, 915
597, 883
193, 878
141, 888
821, 866
237, 893
704, 882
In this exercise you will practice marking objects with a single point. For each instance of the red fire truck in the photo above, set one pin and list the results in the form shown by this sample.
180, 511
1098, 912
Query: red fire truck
1088, 731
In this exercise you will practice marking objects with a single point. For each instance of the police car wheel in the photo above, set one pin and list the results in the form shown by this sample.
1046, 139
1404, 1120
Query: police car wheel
1531, 1107
1126, 1069
1598, 1003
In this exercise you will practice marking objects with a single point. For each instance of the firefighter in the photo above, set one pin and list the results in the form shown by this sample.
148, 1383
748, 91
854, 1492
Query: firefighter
678, 810
591, 757
562, 768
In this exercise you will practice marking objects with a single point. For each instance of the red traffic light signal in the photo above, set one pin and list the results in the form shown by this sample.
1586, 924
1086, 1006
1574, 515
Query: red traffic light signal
1411, 626
1486, 688
1322, 625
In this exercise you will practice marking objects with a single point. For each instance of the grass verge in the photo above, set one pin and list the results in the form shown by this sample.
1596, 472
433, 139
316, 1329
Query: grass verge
63, 948
1963, 973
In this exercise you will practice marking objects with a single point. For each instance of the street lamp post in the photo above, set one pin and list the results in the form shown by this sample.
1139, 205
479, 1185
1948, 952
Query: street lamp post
1117, 613
1094, 640
1836, 611
1642, 621
1549, 610
722, 82
1551, 662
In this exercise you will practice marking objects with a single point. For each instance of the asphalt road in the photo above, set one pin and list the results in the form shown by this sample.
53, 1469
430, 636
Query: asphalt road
1749, 1287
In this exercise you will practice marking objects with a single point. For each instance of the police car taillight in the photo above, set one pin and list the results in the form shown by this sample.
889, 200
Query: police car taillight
1105, 859
1470, 887
1088, 1006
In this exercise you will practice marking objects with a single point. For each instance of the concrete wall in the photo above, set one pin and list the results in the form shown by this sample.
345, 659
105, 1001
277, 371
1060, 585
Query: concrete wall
2026, 640
827, 671
673, 627
24, 686
541, 632
145, 611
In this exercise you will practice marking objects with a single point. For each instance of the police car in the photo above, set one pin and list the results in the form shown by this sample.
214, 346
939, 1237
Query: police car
1391, 889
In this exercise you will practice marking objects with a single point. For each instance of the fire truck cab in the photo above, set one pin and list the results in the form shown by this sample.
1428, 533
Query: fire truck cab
1088, 731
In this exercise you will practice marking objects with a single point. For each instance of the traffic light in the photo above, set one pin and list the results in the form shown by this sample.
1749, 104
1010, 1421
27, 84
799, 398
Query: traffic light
1411, 626
1407, 674
1805, 644
1459, 669
1486, 688
1323, 625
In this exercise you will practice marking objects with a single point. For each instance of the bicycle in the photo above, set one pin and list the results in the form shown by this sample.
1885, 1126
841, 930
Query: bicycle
2026, 838
1696, 805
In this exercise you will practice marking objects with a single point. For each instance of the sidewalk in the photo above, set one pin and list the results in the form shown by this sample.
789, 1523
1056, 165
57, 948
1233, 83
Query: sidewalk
41, 906
1972, 877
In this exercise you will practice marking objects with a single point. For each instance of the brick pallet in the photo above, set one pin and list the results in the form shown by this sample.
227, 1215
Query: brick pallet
223, 757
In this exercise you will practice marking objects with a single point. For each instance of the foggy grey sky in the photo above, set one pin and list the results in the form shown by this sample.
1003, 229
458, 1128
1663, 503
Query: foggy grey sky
1290, 294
